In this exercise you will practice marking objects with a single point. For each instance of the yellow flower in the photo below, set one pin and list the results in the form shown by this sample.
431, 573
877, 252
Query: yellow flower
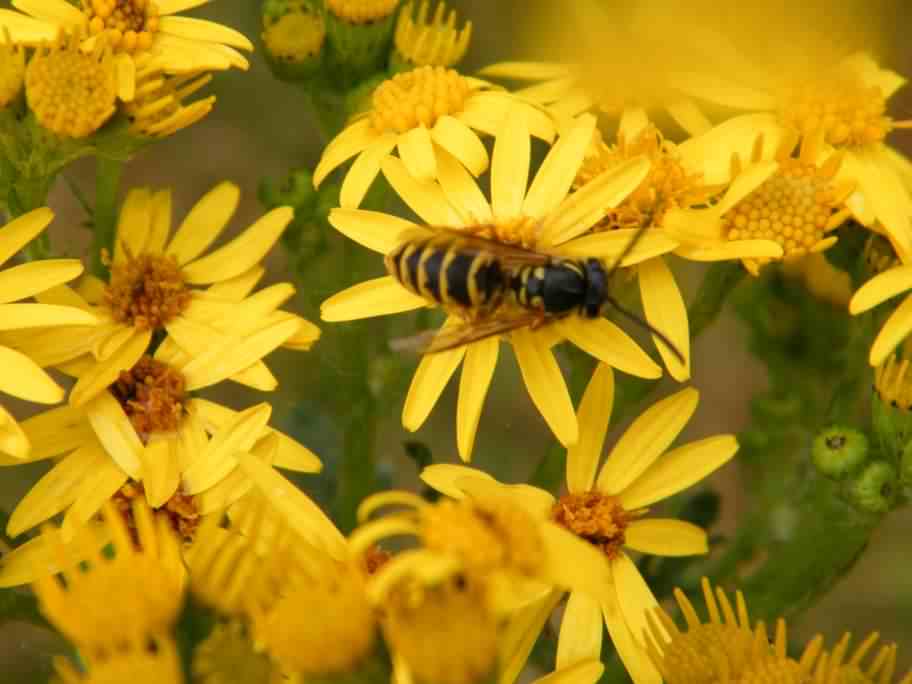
22, 377
157, 662
12, 70
877, 290
361, 11
606, 509
724, 648
545, 217
422, 113
781, 208
842, 105
213, 334
158, 110
134, 29
435, 41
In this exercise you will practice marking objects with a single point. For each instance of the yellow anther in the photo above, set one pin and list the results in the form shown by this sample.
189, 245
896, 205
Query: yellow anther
70, 92
146, 291
12, 70
417, 98
435, 41
361, 11
598, 518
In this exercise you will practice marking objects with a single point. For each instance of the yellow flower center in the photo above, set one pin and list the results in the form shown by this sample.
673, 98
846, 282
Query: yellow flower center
444, 632
147, 291
322, 625
152, 394
667, 185
417, 98
12, 71
180, 510
700, 654
362, 11
129, 25
521, 231
848, 112
435, 41
70, 92
295, 36
227, 656
794, 207
774, 670
486, 535
598, 518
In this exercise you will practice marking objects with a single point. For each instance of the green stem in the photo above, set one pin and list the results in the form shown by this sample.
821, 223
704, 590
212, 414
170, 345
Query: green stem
108, 173
26, 195
718, 282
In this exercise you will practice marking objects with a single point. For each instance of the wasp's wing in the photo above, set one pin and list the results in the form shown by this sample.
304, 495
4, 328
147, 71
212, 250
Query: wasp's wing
450, 337
508, 255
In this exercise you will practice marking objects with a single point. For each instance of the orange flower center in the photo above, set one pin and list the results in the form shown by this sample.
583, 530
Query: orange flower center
361, 11
417, 98
180, 510
129, 25
849, 112
152, 394
147, 291
598, 518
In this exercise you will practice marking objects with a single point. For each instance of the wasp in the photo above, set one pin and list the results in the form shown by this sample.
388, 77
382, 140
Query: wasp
499, 287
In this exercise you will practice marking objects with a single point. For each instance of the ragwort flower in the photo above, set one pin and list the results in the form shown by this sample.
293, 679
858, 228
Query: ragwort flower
545, 217
134, 29
435, 41
607, 509
423, 113
22, 377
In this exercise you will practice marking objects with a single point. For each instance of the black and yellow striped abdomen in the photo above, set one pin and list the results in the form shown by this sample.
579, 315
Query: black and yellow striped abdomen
444, 272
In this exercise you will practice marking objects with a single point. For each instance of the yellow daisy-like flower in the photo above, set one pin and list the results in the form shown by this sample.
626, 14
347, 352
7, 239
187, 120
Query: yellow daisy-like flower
789, 203
134, 29
544, 217
876, 291
843, 106
214, 334
433, 41
607, 508
423, 113
22, 377
159, 110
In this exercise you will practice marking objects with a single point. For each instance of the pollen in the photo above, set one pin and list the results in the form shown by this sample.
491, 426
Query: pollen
152, 395
362, 11
420, 618
434, 41
296, 35
180, 510
417, 98
72, 93
847, 112
128, 25
486, 535
159, 108
12, 70
598, 518
147, 291
893, 383
667, 185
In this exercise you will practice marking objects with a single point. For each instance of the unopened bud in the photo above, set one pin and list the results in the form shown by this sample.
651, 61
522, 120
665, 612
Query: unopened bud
839, 451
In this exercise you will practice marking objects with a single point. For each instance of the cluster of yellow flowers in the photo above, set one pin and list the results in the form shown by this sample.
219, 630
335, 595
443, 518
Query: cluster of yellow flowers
162, 493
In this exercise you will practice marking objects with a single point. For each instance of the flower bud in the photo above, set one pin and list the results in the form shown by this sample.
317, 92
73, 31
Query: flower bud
359, 32
839, 451
874, 489
293, 35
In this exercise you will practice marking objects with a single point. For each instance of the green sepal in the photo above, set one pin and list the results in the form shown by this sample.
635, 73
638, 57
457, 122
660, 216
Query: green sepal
357, 50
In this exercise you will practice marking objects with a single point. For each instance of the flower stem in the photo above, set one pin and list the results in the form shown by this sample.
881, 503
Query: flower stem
28, 194
108, 173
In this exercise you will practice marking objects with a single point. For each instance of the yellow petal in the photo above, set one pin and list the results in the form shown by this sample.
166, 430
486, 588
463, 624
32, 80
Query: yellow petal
633, 655
584, 672
728, 251
125, 75
510, 165
302, 514
477, 372
585, 207
18, 316
239, 287
545, 384
488, 111
27, 31
53, 11
176, 54
462, 143
745, 183
23, 378
160, 471
160, 228
417, 153
14, 444
205, 31
593, 416
451, 480
20, 231
645, 440
580, 636
431, 376
679, 469
40, 556
351, 141
633, 122
880, 288
106, 372
166, 7
242, 253
689, 117
57, 431
461, 191
717, 89
526, 71
558, 170
666, 537
364, 170
634, 595
96, 490
711, 153
894, 331
56, 490
305, 337
372, 229
377, 297
608, 343
571, 563
520, 634
204, 222
424, 197
666, 312
31, 278
610, 244
536, 502
133, 224
116, 433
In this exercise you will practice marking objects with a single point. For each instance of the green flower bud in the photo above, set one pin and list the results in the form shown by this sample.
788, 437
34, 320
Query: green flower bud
875, 489
360, 33
890, 404
839, 451
293, 37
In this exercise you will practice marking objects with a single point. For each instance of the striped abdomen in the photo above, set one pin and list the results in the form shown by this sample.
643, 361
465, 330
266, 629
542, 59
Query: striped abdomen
438, 270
